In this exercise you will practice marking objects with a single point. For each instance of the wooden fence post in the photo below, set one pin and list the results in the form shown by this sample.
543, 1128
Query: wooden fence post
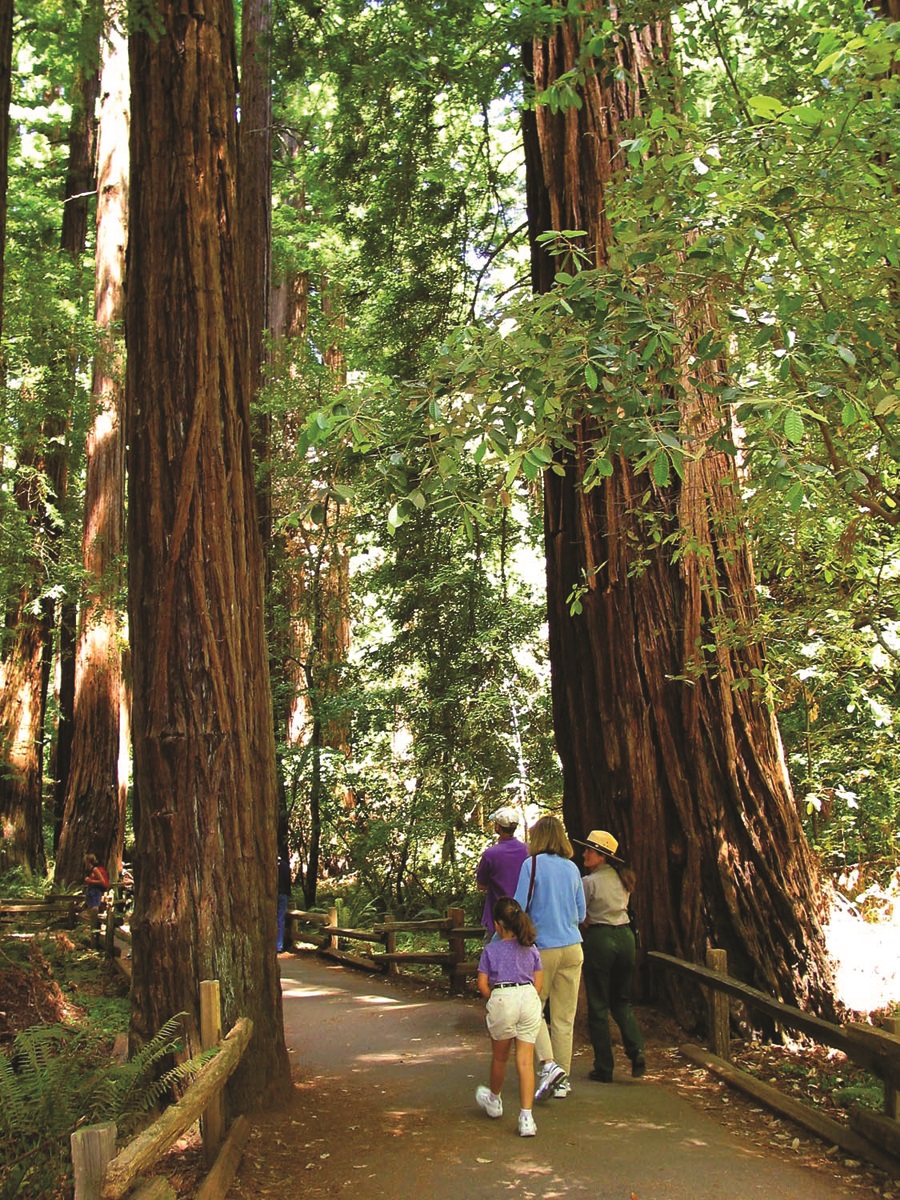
891, 1094
113, 901
719, 1008
390, 944
212, 1120
457, 947
332, 920
93, 1148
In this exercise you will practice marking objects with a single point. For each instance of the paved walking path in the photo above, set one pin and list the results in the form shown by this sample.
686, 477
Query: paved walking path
393, 1073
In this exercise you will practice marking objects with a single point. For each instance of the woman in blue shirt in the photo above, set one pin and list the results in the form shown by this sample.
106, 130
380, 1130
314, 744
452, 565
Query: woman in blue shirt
550, 891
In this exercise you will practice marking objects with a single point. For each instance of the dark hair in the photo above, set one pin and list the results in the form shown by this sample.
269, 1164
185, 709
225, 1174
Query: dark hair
627, 875
510, 914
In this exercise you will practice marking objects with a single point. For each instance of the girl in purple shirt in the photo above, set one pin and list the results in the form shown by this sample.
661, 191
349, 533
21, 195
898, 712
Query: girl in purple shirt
510, 978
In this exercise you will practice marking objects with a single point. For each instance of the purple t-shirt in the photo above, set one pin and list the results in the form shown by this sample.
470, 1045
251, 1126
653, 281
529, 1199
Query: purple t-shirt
498, 871
508, 961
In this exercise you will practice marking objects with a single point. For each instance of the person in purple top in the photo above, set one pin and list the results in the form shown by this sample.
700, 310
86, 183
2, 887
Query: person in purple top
510, 979
498, 870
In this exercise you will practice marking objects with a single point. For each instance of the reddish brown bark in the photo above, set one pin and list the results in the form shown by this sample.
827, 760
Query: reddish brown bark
94, 812
21, 681
204, 753
662, 726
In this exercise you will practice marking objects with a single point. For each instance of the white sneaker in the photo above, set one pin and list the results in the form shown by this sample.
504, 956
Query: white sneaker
492, 1105
551, 1075
562, 1090
527, 1127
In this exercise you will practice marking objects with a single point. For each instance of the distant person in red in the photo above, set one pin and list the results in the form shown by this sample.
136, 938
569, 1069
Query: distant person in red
499, 867
96, 881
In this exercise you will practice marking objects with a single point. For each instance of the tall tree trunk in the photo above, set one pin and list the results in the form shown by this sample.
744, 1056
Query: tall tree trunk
20, 747
93, 816
204, 752
23, 705
662, 730
79, 189
65, 733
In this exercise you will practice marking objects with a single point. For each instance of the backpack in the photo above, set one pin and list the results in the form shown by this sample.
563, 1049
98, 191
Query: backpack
104, 875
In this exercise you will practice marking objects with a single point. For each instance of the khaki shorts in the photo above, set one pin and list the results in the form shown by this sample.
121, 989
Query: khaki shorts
514, 1012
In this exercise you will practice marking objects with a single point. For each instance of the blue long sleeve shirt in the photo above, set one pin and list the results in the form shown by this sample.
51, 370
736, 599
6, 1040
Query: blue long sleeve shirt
557, 903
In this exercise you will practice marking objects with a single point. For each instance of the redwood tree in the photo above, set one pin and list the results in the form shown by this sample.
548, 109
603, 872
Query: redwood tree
204, 754
40, 493
94, 810
664, 735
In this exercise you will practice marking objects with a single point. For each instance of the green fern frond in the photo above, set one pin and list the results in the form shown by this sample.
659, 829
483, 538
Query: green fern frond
54, 1078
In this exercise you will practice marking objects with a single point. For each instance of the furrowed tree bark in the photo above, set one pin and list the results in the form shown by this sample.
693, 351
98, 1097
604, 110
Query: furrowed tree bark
94, 809
661, 723
204, 752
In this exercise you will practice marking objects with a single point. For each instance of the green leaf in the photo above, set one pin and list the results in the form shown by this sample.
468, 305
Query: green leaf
794, 497
793, 427
590, 376
767, 107
542, 454
661, 470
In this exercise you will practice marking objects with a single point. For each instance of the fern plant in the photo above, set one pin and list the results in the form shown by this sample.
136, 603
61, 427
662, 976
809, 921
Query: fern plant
55, 1079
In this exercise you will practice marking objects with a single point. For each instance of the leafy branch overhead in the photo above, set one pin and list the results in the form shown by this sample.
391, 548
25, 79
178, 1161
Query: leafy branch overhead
785, 211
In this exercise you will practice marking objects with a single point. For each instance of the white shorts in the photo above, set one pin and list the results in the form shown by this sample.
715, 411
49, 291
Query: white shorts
514, 1012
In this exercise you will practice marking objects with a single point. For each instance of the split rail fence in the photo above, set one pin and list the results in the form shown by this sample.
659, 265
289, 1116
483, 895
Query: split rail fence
103, 1174
322, 930
46, 911
873, 1136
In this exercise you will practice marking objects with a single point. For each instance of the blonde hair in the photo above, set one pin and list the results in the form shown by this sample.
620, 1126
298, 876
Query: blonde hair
548, 836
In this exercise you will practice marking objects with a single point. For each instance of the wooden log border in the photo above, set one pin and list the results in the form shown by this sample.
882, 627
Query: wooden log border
872, 1136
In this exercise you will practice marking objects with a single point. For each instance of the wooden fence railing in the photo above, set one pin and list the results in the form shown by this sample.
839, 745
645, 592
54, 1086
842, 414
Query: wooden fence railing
113, 930
101, 1174
871, 1135
59, 908
322, 930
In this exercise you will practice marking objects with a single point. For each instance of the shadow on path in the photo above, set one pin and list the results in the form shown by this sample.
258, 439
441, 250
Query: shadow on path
385, 1107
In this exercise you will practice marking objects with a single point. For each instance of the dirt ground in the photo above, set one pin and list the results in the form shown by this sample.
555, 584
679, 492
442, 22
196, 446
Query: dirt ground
293, 1150
290, 1151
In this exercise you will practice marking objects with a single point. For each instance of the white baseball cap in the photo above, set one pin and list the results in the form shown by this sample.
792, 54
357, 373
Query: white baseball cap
506, 817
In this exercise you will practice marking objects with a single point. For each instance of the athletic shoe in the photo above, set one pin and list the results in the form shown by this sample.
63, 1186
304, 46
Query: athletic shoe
527, 1127
492, 1105
562, 1090
551, 1074
638, 1066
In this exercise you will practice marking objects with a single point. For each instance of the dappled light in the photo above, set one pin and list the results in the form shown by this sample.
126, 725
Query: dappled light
863, 939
